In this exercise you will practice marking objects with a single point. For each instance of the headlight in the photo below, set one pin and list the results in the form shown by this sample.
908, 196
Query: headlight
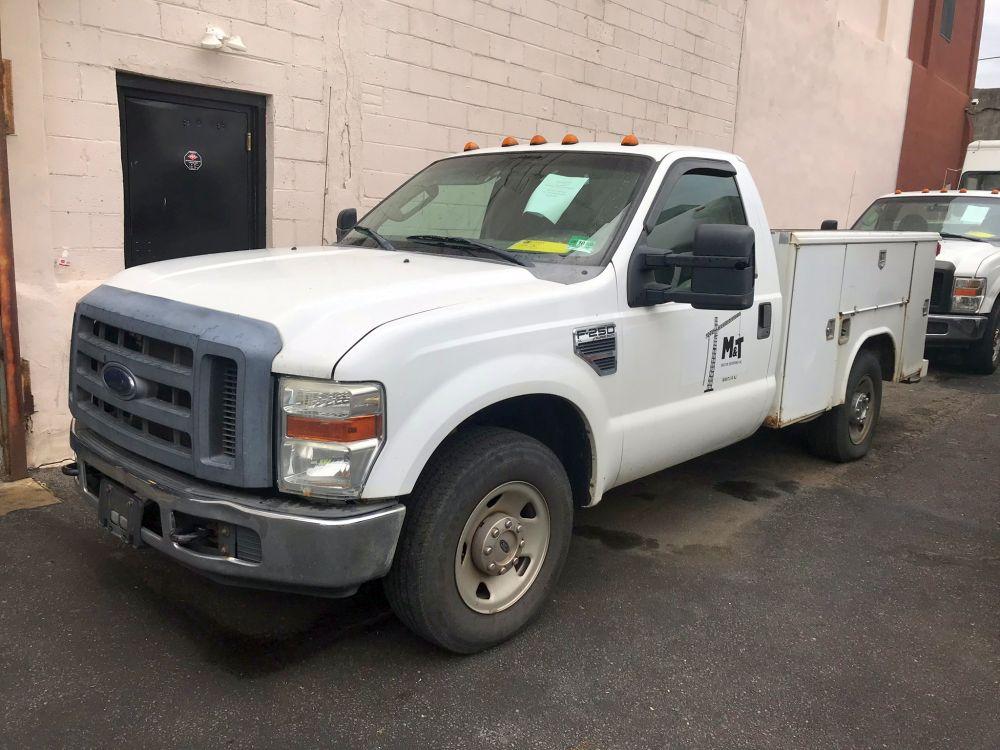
968, 294
330, 435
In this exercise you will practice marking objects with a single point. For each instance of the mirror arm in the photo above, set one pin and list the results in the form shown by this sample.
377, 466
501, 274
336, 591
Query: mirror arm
657, 296
668, 260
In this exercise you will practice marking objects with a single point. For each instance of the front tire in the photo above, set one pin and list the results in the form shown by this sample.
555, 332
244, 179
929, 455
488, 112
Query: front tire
984, 356
845, 433
486, 534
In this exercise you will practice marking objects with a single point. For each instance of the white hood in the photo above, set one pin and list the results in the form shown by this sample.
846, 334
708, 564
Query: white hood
324, 299
967, 256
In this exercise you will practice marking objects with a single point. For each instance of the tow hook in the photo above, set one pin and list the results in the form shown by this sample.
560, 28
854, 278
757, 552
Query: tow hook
188, 537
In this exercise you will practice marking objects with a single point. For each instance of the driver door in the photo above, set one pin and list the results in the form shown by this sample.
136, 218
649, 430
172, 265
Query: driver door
696, 380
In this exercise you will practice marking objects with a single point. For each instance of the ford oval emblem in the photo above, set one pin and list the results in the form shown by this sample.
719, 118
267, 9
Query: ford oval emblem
119, 380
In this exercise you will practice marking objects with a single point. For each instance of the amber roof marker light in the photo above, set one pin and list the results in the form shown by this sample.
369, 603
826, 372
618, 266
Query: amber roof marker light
570, 140
471, 146
508, 141
537, 140
630, 140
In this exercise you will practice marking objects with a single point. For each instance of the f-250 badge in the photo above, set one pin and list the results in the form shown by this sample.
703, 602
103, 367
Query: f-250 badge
598, 347
732, 350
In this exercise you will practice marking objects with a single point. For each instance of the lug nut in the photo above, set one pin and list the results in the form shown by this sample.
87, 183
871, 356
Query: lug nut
503, 569
508, 523
521, 543
493, 566
488, 551
224, 549
495, 533
518, 529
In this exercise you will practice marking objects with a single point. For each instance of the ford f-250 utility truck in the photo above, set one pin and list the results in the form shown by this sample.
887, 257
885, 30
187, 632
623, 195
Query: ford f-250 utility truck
965, 316
502, 340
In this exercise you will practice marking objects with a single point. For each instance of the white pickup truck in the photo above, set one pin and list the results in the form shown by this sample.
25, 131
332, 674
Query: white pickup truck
508, 336
965, 316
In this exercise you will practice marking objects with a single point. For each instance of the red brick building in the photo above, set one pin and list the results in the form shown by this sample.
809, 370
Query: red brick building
944, 48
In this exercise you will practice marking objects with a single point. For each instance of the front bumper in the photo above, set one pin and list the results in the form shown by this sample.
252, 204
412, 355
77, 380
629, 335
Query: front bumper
955, 330
287, 545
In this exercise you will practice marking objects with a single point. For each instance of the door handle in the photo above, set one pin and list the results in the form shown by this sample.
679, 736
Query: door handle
764, 320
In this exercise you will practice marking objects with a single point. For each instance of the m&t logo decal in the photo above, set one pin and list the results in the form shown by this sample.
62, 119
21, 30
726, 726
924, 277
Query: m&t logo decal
731, 354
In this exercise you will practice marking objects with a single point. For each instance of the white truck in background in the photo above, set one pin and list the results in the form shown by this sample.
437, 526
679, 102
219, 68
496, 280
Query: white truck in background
981, 170
508, 336
964, 312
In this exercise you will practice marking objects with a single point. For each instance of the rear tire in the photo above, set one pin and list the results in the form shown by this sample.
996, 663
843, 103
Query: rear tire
983, 357
440, 584
845, 432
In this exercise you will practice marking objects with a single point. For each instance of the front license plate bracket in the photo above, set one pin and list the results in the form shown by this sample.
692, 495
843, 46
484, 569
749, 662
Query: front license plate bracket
120, 512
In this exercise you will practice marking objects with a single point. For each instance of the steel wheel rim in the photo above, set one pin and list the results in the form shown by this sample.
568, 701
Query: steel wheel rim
860, 405
518, 550
996, 344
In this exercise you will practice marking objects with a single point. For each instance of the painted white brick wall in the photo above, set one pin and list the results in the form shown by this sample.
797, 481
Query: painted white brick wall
438, 73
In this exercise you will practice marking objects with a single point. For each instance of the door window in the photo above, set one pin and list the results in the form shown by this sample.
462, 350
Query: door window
701, 196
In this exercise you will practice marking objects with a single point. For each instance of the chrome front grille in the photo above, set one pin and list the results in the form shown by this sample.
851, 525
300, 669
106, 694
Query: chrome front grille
184, 386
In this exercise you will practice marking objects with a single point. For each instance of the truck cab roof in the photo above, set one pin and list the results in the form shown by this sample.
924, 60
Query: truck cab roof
655, 151
953, 193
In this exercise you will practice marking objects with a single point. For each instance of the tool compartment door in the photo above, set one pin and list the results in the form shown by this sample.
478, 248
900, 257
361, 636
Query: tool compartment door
810, 363
915, 324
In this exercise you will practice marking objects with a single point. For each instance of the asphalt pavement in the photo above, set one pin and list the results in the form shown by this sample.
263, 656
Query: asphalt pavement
756, 597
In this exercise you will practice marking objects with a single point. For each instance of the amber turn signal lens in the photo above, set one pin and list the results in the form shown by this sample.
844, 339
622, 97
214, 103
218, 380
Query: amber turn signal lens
537, 140
471, 146
966, 292
509, 141
630, 140
570, 140
333, 430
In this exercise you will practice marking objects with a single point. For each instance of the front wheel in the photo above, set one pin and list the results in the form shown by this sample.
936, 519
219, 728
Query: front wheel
486, 534
845, 432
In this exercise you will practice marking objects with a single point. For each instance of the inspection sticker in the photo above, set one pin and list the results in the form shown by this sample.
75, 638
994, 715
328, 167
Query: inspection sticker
580, 244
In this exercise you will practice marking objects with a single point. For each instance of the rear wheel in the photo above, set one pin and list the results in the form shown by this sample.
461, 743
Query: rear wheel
984, 356
486, 534
845, 432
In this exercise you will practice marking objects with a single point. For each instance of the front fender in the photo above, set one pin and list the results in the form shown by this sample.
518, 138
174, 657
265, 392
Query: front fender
418, 420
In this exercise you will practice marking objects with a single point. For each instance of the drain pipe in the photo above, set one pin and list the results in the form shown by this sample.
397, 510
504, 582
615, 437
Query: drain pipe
12, 434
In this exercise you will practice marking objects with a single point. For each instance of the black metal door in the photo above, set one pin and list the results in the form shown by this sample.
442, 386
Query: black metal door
191, 158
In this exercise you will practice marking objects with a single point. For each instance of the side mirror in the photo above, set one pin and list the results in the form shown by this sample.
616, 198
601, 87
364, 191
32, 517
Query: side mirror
346, 221
829, 225
722, 272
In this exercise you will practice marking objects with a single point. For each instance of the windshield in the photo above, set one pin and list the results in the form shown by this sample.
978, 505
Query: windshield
548, 207
980, 181
975, 218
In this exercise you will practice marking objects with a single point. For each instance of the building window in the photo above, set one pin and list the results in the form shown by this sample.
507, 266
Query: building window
947, 18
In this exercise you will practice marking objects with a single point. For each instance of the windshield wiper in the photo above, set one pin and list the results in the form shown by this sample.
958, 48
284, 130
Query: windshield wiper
379, 240
463, 243
953, 236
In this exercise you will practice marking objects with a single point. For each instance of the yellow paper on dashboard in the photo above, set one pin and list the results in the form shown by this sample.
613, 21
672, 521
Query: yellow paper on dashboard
540, 246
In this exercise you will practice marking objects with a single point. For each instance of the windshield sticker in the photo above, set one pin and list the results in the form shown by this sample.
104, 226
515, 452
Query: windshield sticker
580, 244
553, 195
540, 246
975, 214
